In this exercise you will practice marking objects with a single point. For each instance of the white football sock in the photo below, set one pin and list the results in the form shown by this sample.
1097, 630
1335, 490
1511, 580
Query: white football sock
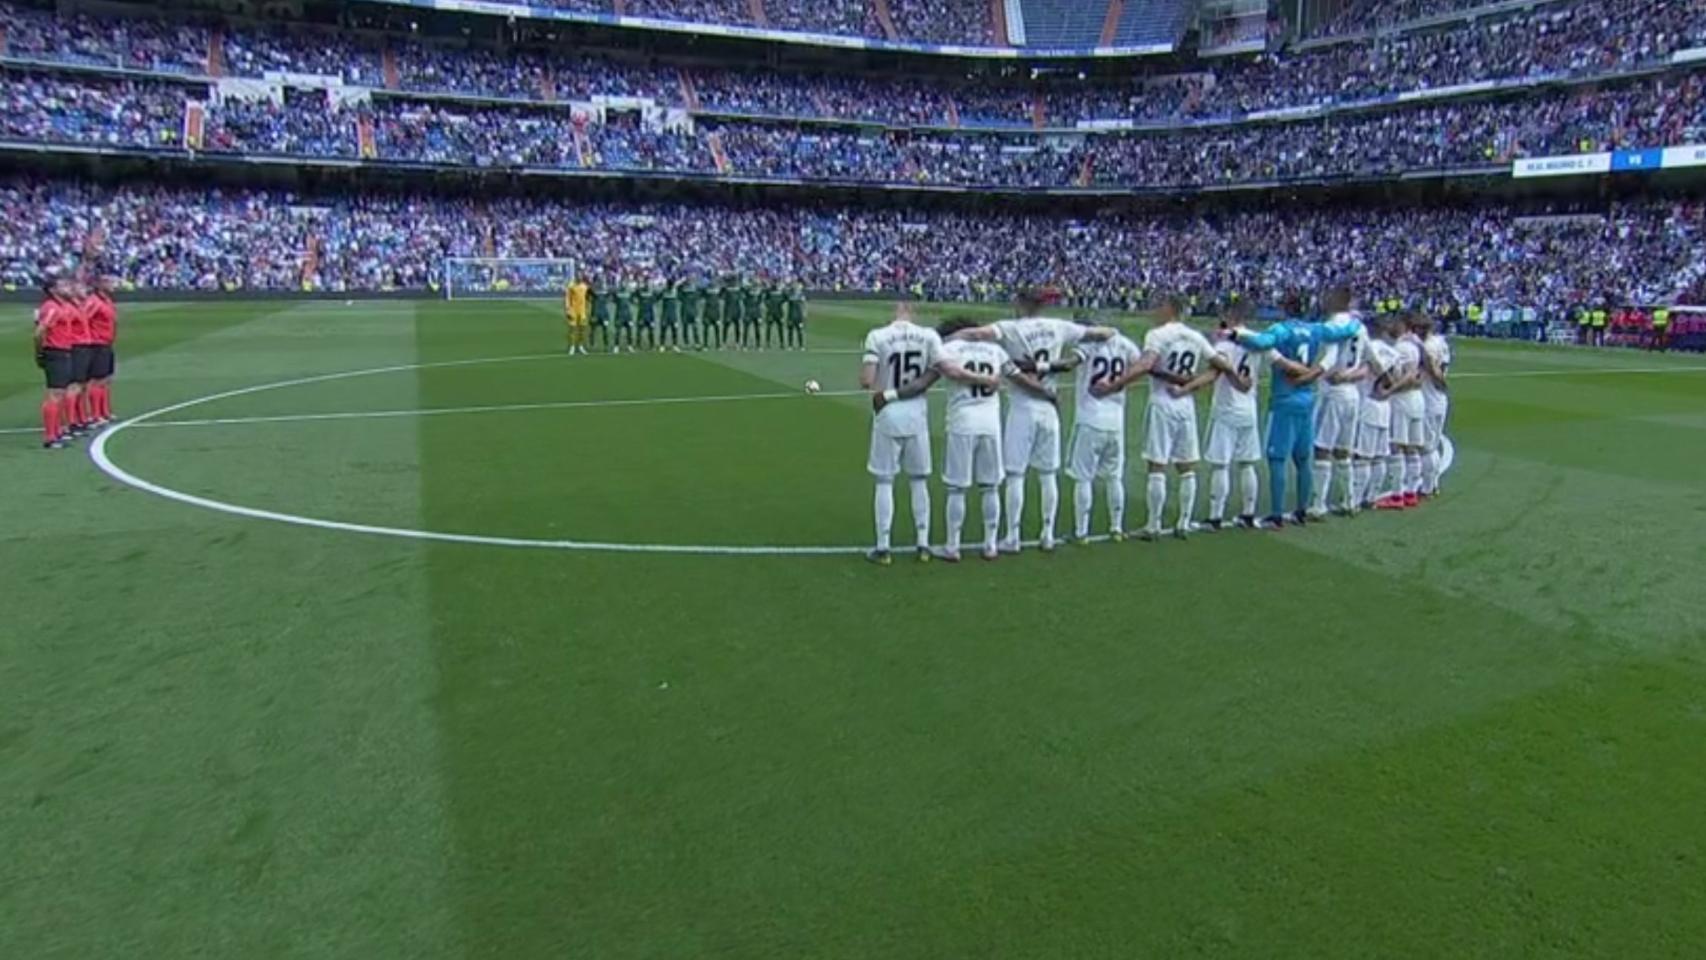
921, 510
1323, 486
1362, 474
991, 517
1412, 473
1376, 480
1251, 484
956, 517
1050, 484
1116, 504
1346, 477
1187, 499
1157, 497
1015, 505
885, 512
1219, 488
1394, 473
1430, 472
1083, 498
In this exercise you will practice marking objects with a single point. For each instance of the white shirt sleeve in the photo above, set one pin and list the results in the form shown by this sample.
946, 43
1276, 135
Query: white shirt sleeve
871, 347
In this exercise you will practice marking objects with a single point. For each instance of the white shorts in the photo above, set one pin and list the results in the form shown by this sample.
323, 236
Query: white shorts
890, 456
1031, 440
1170, 438
972, 458
1233, 443
1096, 454
1373, 442
1433, 427
1336, 421
1407, 426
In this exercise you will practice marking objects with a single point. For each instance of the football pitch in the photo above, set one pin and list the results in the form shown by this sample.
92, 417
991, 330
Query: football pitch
336, 673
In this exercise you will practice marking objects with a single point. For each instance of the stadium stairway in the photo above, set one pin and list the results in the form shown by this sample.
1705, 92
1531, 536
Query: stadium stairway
1111, 23
620, 8
719, 156
755, 10
548, 86
690, 92
998, 16
1039, 114
393, 76
216, 53
1086, 170
885, 16
367, 143
953, 110
310, 261
820, 104
1063, 23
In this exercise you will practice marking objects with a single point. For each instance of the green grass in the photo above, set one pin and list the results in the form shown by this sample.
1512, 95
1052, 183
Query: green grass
1471, 731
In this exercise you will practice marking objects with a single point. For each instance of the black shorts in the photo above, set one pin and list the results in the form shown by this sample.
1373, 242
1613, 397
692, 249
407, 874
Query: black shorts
82, 358
102, 364
57, 365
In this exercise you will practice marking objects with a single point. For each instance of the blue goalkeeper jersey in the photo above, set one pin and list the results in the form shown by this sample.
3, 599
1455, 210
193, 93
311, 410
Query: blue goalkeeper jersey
1302, 342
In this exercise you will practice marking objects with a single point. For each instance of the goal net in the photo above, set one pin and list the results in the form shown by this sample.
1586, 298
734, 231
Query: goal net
469, 278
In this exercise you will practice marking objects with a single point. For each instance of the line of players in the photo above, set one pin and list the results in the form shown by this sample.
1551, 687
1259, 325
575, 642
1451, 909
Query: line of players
754, 315
1375, 431
75, 328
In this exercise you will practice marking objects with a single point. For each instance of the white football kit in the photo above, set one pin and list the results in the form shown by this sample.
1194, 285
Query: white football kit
1436, 403
1032, 437
900, 432
1233, 435
1374, 420
1339, 407
1170, 422
973, 453
1098, 428
1408, 412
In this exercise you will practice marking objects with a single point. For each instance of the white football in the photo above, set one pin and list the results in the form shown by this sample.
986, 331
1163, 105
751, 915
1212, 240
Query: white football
812, 386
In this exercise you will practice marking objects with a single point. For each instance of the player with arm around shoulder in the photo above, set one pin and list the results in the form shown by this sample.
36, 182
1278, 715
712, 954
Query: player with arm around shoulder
1098, 433
973, 453
1408, 416
1373, 449
901, 361
1436, 400
1234, 438
1300, 430
1177, 359
1039, 345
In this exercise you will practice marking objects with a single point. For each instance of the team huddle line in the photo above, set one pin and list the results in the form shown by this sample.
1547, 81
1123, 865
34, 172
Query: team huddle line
1358, 406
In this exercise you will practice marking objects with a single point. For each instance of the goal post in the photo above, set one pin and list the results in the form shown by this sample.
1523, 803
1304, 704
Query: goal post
494, 278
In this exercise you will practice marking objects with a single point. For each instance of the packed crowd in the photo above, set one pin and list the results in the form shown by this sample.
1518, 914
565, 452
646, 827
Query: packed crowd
1362, 15
211, 239
924, 21
1661, 111
1587, 37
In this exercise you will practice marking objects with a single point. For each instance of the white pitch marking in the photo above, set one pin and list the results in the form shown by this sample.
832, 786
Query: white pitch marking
492, 408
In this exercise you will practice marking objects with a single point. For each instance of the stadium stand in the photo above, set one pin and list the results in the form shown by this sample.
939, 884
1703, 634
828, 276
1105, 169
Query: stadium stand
1151, 21
197, 238
1064, 23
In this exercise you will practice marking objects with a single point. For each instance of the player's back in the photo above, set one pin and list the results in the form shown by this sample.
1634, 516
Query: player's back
971, 408
1042, 340
1438, 349
902, 351
1182, 352
1230, 403
1347, 357
1102, 362
1382, 356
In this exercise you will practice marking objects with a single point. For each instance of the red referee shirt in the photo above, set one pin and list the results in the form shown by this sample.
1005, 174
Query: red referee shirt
102, 318
61, 324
